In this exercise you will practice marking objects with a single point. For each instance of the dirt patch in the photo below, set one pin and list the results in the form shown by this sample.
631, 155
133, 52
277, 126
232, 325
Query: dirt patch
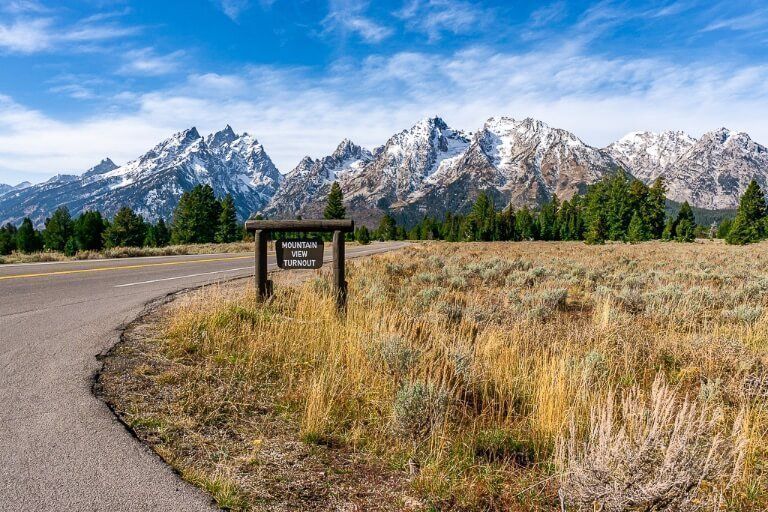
248, 458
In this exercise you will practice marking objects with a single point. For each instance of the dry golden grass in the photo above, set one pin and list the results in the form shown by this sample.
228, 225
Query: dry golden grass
129, 252
468, 365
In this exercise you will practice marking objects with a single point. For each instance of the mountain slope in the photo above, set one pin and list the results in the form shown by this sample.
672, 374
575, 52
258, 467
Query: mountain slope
711, 172
431, 168
5, 189
152, 184
304, 189
518, 162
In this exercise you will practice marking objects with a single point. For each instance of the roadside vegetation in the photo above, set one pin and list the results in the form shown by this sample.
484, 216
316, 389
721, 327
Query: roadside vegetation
497, 376
199, 218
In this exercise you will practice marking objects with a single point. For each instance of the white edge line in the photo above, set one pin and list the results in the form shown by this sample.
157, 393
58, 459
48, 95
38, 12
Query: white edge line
183, 277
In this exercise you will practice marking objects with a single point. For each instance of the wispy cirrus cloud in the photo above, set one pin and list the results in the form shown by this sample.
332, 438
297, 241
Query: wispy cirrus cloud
28, 35
147, 62
748, 22
436, 17
347, 17
598, 98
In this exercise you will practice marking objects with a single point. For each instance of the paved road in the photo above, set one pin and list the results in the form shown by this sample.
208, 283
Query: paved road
61, 449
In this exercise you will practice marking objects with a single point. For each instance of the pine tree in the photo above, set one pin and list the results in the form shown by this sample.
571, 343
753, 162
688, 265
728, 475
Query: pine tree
669, 229
618, 207
28, 240
749, 226
162, 234
525, 225
597, 232
335, 207
655, 210
387, 229
684, 229
724, 228
89, 230
126, 230
228, 230
547, 220
362, 235
637, 231
196, 217
505, 224
482, 219
7, 239
742, 232
58, 230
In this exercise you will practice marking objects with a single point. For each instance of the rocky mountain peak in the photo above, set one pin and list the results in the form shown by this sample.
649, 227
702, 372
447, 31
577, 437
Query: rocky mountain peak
103, 167
346, 149
221, 138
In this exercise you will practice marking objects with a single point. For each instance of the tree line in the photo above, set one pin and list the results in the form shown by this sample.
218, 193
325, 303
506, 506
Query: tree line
199, 217
618, 208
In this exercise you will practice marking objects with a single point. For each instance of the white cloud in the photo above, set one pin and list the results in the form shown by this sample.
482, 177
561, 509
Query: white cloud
433, 17
347, 17
748, 22
233, 8
26, 36
23, 7
145, 61
294, 112
32, 35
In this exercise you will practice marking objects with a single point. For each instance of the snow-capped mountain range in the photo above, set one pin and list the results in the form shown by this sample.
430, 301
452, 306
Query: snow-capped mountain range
429, 168
153, 183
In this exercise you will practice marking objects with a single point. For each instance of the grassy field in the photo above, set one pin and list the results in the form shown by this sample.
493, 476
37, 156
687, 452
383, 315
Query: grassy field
128, 252
496, 376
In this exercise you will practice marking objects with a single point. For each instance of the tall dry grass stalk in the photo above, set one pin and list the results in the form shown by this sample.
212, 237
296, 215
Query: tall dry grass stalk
467, 365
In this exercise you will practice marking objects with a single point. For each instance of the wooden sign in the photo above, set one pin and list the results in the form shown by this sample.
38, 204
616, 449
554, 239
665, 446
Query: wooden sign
299, 253
262, 230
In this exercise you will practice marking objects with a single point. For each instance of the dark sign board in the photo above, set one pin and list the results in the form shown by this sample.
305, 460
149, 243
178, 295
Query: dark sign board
299, 253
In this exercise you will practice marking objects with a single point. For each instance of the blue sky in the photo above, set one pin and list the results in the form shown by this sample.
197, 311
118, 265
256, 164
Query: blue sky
81, 80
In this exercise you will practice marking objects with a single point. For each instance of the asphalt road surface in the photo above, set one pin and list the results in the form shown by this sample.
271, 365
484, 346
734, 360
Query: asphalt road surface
61, 449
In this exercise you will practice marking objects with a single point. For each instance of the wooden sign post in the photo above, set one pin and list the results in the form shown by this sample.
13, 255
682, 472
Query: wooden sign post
300, 252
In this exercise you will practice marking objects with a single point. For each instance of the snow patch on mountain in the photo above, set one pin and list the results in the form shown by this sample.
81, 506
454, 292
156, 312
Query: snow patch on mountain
153, 183
711, 172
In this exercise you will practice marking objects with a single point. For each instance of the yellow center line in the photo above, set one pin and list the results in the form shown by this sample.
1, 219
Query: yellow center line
124, 267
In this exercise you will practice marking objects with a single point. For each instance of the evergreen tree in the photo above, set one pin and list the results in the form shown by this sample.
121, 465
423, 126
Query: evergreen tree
525, 225
597, 232
7, 239
655, 210
619, 208
742, 232
748, 226
70, 249
505, 224
127, 230
547, 220
387, 229
228, 230
362, 235
482, 220
637, 231
162, 234
58, 230
28, 239
335, 209
196, 217
724, 228
89, 231
685, 224
669, 229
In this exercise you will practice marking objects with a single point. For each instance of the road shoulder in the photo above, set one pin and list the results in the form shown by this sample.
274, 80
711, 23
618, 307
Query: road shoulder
273, 468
